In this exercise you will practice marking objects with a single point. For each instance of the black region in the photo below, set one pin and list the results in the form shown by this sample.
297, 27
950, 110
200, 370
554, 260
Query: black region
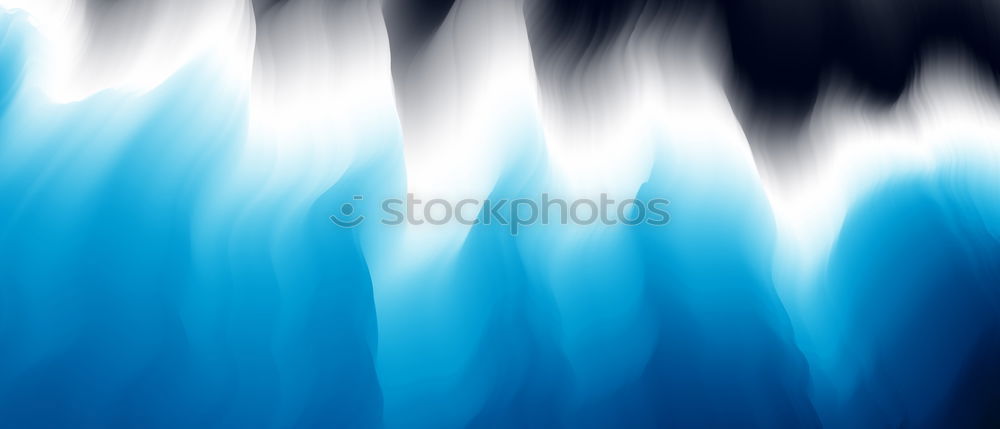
781, 50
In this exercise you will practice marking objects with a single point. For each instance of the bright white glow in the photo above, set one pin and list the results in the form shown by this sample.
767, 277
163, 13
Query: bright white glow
467, 106
471, 107
939, 121
321, 81
134, 46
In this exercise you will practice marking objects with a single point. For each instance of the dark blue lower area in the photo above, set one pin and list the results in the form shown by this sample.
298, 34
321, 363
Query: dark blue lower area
150, 276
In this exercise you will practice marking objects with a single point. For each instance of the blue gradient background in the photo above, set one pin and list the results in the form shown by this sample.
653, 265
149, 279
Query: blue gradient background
150, 277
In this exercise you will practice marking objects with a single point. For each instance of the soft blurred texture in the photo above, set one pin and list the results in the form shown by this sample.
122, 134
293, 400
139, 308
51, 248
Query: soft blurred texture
168, 169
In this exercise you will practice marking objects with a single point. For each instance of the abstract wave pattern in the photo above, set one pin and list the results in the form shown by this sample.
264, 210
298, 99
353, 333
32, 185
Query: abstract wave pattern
168, 170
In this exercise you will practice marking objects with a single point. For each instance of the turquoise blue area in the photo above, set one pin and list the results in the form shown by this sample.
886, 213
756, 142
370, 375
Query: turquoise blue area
150, 276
